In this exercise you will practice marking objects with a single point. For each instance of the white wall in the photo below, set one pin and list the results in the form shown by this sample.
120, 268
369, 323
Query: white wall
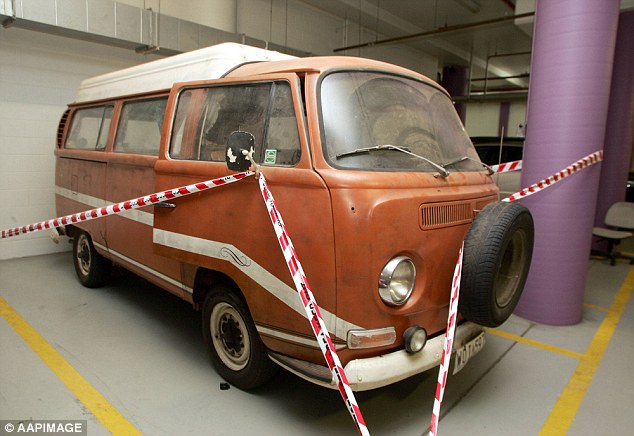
289, 23
483, 118
517, 116
39, 75
219, 14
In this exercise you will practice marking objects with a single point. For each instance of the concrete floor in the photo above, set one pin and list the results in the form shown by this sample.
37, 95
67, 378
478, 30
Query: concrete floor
141, 349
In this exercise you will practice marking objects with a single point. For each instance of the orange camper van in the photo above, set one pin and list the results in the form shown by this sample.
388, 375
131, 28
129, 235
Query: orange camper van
372, 171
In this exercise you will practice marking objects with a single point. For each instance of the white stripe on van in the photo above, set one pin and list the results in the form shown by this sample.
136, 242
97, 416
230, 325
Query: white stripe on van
94, 202
253, 270
145, 268
292, 338
216, 250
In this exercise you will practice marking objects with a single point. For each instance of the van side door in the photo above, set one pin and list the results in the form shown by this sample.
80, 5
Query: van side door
227, 229
130, 174
80, 175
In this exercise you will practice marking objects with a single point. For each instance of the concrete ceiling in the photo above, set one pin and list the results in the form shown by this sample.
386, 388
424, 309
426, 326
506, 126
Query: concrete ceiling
500, 48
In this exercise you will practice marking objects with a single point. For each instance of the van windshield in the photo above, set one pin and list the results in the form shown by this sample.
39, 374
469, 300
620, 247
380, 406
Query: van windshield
380, 122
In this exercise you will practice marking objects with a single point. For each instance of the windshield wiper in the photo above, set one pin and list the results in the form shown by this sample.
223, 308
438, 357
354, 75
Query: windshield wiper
443, 172
464, 158
366, 150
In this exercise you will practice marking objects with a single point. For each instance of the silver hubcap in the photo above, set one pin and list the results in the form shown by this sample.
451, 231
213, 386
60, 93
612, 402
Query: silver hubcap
229, 336
83, 255
511, 269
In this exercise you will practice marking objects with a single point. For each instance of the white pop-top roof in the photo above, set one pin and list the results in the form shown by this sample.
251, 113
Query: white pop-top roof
203, 64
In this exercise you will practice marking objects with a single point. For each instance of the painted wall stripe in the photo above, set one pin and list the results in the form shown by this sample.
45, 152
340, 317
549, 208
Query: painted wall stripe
564, 411
96, 403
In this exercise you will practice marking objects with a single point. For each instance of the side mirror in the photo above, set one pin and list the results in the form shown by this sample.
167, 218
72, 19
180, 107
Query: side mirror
239, 152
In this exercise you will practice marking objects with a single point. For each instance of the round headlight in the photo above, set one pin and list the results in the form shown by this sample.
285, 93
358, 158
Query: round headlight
397, 281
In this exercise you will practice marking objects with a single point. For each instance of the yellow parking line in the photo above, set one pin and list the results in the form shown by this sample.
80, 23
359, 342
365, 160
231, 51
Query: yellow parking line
536, 344
565, 409
88, 395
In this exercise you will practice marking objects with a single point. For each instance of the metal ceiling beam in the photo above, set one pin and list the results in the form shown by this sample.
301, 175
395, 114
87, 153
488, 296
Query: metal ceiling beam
437, 31
363, 8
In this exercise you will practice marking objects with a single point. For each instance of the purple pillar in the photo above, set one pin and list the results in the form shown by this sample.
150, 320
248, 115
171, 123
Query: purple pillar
456, 81
571, 71
503, 123
619, 136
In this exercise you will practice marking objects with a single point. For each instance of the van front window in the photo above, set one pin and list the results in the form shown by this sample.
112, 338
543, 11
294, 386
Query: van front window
205, 117
380, 122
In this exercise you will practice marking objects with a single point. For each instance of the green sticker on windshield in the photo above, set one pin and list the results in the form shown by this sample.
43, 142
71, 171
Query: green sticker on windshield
270, 156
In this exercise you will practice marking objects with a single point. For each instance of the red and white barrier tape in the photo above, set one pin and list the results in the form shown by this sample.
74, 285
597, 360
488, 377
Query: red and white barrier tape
446, 355
505, 167
591, 159
136, 203
297, 273
311, 308
584, 162
308, 300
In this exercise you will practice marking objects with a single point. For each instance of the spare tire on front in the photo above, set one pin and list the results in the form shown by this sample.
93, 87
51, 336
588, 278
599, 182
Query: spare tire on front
497, 256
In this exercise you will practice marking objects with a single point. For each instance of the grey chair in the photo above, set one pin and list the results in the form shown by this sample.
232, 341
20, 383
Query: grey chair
619, 223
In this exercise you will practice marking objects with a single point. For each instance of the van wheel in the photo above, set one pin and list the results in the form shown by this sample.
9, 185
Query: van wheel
235, 347
91, 267
497, 256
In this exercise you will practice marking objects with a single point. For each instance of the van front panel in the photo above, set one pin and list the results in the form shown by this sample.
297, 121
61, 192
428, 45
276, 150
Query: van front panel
381, 220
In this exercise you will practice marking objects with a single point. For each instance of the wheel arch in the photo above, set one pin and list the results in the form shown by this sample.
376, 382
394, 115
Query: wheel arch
206, 279
70, 230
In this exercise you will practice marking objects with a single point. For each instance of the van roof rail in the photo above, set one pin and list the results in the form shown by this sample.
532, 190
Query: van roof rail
204, 64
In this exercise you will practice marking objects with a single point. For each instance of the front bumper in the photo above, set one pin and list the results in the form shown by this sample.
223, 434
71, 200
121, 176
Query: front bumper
376, 372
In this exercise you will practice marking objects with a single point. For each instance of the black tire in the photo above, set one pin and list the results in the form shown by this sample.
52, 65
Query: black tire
236, 349
497, 256
91, 267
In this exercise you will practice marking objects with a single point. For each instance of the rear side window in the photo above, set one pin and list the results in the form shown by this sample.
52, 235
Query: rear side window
89, 129
205, 117
140, 127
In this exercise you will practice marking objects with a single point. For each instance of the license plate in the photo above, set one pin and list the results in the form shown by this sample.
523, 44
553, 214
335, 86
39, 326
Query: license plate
467, 351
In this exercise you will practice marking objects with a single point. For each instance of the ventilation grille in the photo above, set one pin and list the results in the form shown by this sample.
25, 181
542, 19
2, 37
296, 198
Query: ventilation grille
60, 128
436, 215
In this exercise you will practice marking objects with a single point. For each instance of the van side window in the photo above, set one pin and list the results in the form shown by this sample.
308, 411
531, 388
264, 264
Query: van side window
140, 125
89, 130
179, 149
282, 137
232, 108
205, 117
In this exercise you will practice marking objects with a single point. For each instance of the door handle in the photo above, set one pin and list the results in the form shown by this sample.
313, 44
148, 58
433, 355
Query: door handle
165, 205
